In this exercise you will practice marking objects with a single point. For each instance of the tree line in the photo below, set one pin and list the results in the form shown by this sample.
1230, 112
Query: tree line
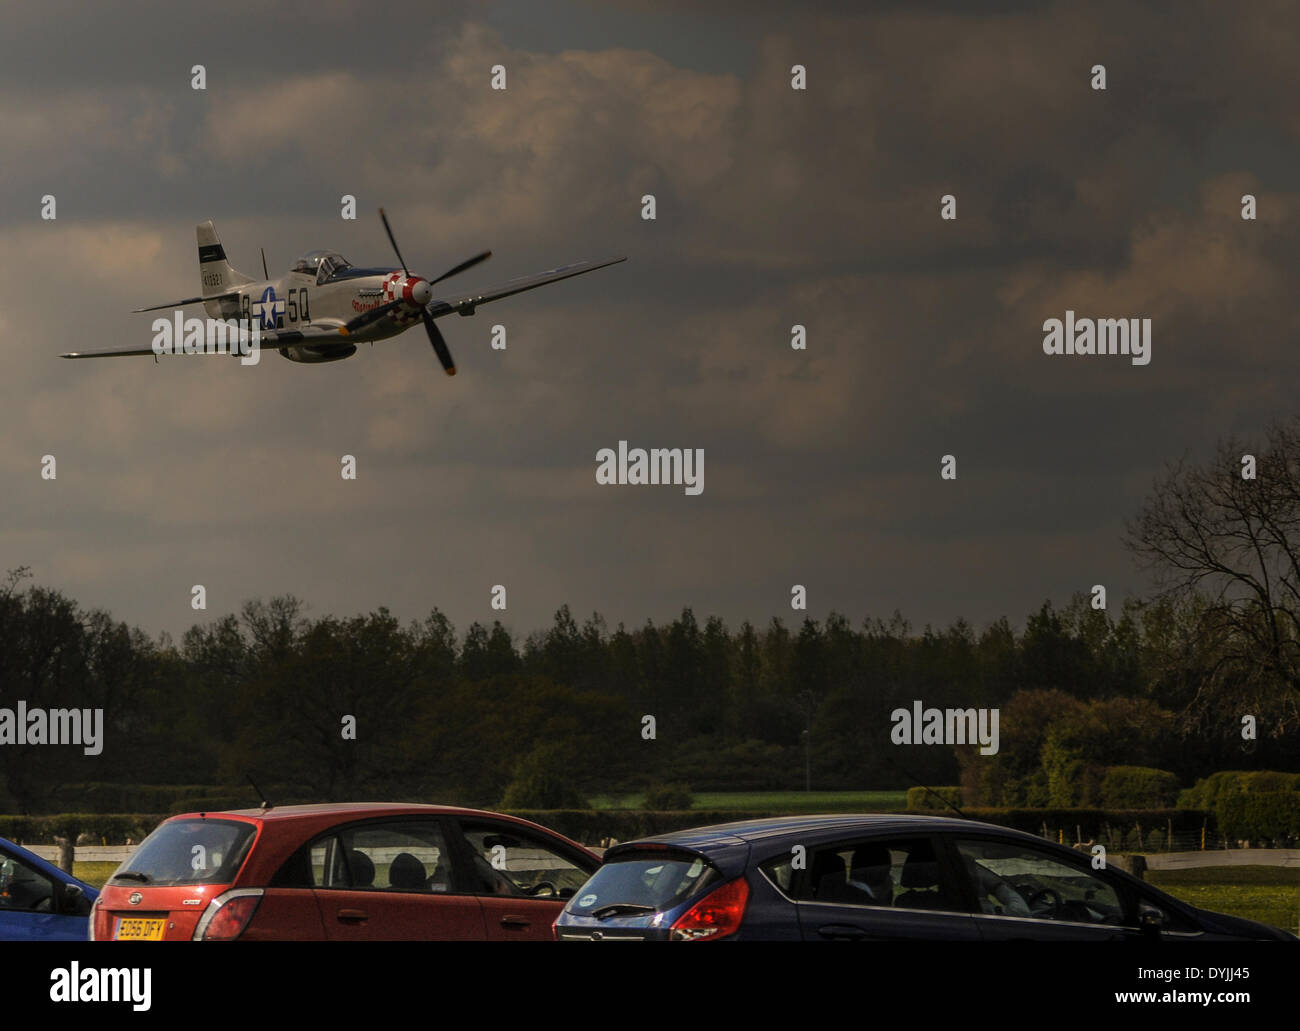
1163, 681
270, 694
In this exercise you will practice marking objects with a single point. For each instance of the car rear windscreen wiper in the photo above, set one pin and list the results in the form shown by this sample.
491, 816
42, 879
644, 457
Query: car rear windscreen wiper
620, 909
131, 875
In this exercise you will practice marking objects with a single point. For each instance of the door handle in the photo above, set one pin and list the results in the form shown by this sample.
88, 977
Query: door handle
359, 916
845, 932
516, 921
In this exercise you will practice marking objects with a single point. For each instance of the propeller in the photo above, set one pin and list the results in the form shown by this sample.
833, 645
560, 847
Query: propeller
373, 315
469, 263
393, 240
439, 344
435, 336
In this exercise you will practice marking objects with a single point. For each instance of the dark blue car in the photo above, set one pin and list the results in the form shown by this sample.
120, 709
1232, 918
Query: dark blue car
38, 901
885, 877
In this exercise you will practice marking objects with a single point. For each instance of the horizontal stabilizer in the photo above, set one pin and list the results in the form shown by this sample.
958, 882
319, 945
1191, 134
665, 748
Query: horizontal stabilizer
188, 300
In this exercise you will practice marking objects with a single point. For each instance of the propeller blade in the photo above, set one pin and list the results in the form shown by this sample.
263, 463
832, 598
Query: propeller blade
392, 240
439, 345
446, 275
462, 267
367, 317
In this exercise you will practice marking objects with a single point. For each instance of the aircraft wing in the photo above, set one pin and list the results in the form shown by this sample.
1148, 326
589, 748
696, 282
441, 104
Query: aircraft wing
467, 303
320, 331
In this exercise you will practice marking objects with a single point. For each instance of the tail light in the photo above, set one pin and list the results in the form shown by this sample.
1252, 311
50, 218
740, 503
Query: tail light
227, 915
715, 916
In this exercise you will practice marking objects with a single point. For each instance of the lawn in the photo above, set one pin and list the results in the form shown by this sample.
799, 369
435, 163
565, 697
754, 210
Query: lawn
1270, 894
774, 802
93, 873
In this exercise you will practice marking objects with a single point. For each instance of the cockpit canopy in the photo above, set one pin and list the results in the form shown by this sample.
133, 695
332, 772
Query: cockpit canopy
321, 263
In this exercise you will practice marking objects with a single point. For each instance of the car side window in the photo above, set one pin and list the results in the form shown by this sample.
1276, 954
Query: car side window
897, 873
1011, 879
316, 865
511, 861
24, 887
781, 873
406, 856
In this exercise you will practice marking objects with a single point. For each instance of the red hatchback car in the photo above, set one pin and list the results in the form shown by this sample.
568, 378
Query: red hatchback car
366, 871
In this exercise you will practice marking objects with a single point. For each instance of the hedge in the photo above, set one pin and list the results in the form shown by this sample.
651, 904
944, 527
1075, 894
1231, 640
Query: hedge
1137, 787
1260, 816
676, 795
924, 798
1207, 791
591, 826
105, 828
99, 797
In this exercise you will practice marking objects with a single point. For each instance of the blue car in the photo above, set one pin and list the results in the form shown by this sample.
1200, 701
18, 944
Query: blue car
887, 877
38, 901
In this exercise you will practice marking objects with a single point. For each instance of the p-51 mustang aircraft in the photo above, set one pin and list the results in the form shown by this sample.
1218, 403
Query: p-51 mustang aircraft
324, 306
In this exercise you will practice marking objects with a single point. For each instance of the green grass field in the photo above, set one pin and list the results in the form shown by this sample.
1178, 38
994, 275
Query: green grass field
1270, 894
93, 873
782, 802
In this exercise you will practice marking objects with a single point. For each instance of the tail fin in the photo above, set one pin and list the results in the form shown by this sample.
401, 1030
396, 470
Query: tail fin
215, 271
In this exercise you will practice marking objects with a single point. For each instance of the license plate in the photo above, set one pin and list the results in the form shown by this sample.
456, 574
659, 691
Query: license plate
139, 929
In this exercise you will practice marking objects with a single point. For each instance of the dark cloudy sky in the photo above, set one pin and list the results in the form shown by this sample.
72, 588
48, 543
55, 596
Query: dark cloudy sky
775, 207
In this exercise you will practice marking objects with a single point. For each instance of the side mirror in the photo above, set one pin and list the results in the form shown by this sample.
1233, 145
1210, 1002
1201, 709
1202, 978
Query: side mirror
73, 901
1151, 919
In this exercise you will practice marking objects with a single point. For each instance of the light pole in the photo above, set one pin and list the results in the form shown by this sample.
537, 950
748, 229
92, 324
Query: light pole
807, 758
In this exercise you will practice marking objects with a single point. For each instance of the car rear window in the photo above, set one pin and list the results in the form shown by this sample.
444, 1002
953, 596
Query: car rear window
189, 852
657, 882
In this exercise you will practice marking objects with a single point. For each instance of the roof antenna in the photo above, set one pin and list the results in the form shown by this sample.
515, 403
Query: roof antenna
265, 274
265, 804
947, 804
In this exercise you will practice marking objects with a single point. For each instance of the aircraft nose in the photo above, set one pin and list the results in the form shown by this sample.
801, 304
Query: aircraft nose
421, 292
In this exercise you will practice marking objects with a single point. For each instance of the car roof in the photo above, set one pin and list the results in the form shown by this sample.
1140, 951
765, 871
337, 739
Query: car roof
733, 846
762, 830
780, 826
360, 809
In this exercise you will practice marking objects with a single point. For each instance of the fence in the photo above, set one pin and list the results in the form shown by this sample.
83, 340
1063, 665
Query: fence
1148, 839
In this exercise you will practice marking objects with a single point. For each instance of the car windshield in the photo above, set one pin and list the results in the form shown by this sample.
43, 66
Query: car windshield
624, 885
189, 852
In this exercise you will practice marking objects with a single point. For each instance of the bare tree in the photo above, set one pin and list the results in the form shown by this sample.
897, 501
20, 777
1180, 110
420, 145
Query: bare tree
1223, 540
